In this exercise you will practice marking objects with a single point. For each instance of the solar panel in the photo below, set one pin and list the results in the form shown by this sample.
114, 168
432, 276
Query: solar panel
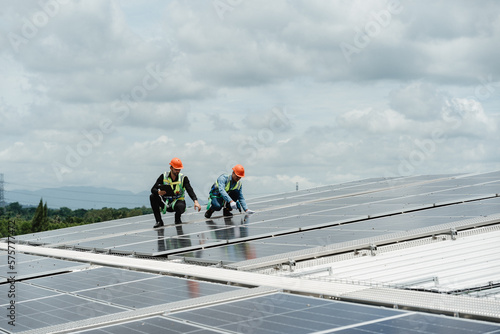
95, 292
284, 313
34, 265
295, 222
129, 289
90, 279
154, 291
24, 292
346, 232
424, 324
153, 325
54, 310
281, 214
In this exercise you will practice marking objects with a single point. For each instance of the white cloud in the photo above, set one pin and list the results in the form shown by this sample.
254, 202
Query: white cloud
372, 121
127, 86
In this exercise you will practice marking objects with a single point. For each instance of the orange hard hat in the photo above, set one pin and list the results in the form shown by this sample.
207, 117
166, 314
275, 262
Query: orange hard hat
239, 170
176, 163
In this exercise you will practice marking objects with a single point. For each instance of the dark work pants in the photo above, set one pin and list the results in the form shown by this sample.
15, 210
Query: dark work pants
157, 205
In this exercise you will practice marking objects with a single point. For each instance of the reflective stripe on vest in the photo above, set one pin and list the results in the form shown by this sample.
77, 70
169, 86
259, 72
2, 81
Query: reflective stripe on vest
177, 186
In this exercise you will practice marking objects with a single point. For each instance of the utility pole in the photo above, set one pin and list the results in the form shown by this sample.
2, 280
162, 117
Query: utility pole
2, 197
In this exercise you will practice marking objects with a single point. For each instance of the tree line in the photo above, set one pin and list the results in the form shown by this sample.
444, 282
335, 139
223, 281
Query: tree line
41, 218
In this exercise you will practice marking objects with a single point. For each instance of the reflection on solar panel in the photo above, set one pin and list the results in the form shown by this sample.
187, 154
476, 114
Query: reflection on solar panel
72, 283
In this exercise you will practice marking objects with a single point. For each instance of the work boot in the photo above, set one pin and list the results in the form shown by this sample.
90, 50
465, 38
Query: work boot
226, 213
158, 224
209, 212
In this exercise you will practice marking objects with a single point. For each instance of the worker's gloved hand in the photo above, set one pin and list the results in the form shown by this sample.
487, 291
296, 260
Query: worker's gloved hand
233, 204
249, 212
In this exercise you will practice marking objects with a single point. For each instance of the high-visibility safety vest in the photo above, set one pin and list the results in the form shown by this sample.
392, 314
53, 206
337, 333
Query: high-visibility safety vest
177, 186
236, 186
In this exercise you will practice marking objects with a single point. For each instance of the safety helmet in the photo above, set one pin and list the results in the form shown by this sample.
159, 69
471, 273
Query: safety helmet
176, 163
239, 170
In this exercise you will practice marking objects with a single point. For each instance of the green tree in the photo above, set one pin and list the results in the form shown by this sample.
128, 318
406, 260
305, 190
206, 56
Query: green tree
4, 227
23, 227
40, 221
14, 208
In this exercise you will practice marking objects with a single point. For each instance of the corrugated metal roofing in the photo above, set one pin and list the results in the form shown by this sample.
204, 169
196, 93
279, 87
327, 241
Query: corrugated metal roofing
462, 265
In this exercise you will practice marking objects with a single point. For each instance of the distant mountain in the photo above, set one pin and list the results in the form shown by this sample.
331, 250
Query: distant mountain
80, 197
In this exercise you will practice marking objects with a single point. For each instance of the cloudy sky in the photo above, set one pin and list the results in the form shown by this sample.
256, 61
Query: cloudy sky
105, 93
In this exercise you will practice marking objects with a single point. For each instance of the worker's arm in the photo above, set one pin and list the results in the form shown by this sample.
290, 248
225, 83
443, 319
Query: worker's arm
156, 187
241, 199
191, 193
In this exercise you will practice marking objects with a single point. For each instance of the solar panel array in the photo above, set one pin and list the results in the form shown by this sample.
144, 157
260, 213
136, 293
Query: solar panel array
290, 221
66, 295
93, 292
285, 313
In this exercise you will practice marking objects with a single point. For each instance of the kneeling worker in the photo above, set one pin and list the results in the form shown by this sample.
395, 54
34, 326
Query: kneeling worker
168, 193
226, 193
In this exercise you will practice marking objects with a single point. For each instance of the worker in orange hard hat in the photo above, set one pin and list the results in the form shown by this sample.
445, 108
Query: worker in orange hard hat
168, 193
227, 193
